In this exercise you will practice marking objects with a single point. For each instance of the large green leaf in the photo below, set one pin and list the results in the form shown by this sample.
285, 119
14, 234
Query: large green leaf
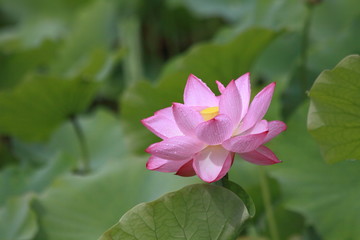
195, 212
335, 112
327, 195
17, 219
35, 108
209, 61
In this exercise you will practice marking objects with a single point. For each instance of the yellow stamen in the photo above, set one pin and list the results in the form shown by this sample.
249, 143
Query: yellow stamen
209, 113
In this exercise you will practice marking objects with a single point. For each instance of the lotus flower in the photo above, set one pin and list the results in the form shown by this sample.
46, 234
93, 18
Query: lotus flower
202, 135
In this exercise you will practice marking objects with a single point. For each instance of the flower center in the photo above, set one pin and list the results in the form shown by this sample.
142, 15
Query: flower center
209, 113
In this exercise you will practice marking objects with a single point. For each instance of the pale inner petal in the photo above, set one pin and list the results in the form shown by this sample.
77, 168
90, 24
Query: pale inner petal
209, 163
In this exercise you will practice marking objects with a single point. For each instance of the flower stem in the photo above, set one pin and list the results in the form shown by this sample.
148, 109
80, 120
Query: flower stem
85, 160
265, 191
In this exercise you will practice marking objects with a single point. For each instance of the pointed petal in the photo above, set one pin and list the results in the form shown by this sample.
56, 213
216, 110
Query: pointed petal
258, 107
186, 170
162, 126
176, 148
166, 112
164, 165
230, 103
275, 128
197, 93
259, 127
214, 131
243, 86
244, 143
212, 163
187, 118
220, 86
261, 156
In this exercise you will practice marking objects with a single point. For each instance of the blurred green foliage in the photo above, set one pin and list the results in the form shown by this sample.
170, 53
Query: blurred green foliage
108, 64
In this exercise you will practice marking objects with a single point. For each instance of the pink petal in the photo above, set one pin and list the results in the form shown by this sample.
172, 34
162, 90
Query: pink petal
244, 143
164, 165
197, 93
261, 156
186, 118
275, 127
186, 170
220, 86
258, 107
176, 148
166, 112
212, 163
243, 86
230, 103
259, 127
214, 131
162, 126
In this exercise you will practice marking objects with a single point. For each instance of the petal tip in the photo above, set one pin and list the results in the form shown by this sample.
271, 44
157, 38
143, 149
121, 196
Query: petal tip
269, 87
143, 121
247, 74
193, 77
283, 126
150, 148
221, 87
175, 105
245, 77
148, 166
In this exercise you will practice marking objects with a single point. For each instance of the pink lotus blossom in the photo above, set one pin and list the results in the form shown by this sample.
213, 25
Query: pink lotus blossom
202, 135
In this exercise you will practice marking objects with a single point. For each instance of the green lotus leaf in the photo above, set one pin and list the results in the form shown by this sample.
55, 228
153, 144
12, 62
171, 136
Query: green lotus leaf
334, 114
198, 211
